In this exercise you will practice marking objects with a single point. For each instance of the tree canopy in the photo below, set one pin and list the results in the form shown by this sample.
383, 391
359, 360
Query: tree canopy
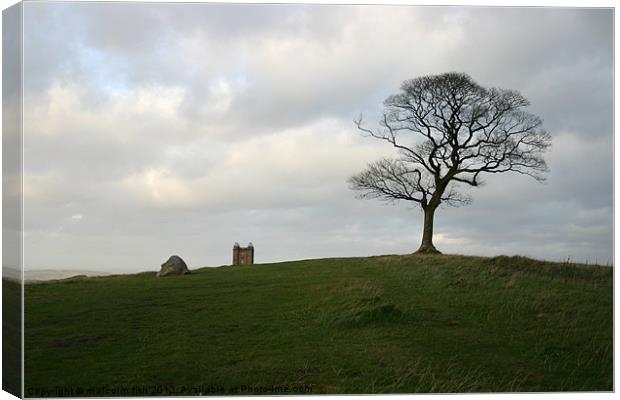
449, 130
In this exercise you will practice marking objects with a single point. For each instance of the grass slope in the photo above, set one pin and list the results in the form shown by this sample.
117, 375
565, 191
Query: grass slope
11, 336
388, 324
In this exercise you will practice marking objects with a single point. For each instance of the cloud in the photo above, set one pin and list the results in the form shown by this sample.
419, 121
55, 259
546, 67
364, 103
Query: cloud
292, 168
198, 125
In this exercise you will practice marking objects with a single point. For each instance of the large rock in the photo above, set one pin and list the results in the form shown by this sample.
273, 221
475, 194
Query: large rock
174, 266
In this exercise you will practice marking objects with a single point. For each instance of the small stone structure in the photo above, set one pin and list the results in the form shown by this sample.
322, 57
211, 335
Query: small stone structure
243, 255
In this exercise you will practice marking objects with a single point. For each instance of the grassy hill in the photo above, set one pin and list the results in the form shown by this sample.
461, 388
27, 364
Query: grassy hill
395, 324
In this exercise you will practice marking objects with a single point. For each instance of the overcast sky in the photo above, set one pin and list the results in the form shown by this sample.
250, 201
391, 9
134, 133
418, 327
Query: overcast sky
159, 129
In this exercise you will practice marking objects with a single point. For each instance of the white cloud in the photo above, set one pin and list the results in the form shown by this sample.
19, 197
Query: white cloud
292, 168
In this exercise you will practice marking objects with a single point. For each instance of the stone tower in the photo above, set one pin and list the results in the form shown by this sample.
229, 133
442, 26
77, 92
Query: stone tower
243, 255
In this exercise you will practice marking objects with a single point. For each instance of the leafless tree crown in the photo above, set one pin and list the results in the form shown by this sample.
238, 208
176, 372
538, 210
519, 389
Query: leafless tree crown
447, 128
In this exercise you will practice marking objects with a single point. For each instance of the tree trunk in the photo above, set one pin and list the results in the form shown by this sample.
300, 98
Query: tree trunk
427, 236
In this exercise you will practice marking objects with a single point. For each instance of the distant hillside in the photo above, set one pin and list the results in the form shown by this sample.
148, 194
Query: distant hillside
53, 274
387, 324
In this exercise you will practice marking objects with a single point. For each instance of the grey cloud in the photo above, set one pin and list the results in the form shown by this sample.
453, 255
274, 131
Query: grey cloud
150, 120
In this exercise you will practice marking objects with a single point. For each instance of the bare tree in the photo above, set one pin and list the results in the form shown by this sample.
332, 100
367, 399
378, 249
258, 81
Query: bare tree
448, 131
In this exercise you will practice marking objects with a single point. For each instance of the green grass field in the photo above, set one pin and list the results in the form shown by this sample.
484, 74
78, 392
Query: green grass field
11, 337
388, 324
